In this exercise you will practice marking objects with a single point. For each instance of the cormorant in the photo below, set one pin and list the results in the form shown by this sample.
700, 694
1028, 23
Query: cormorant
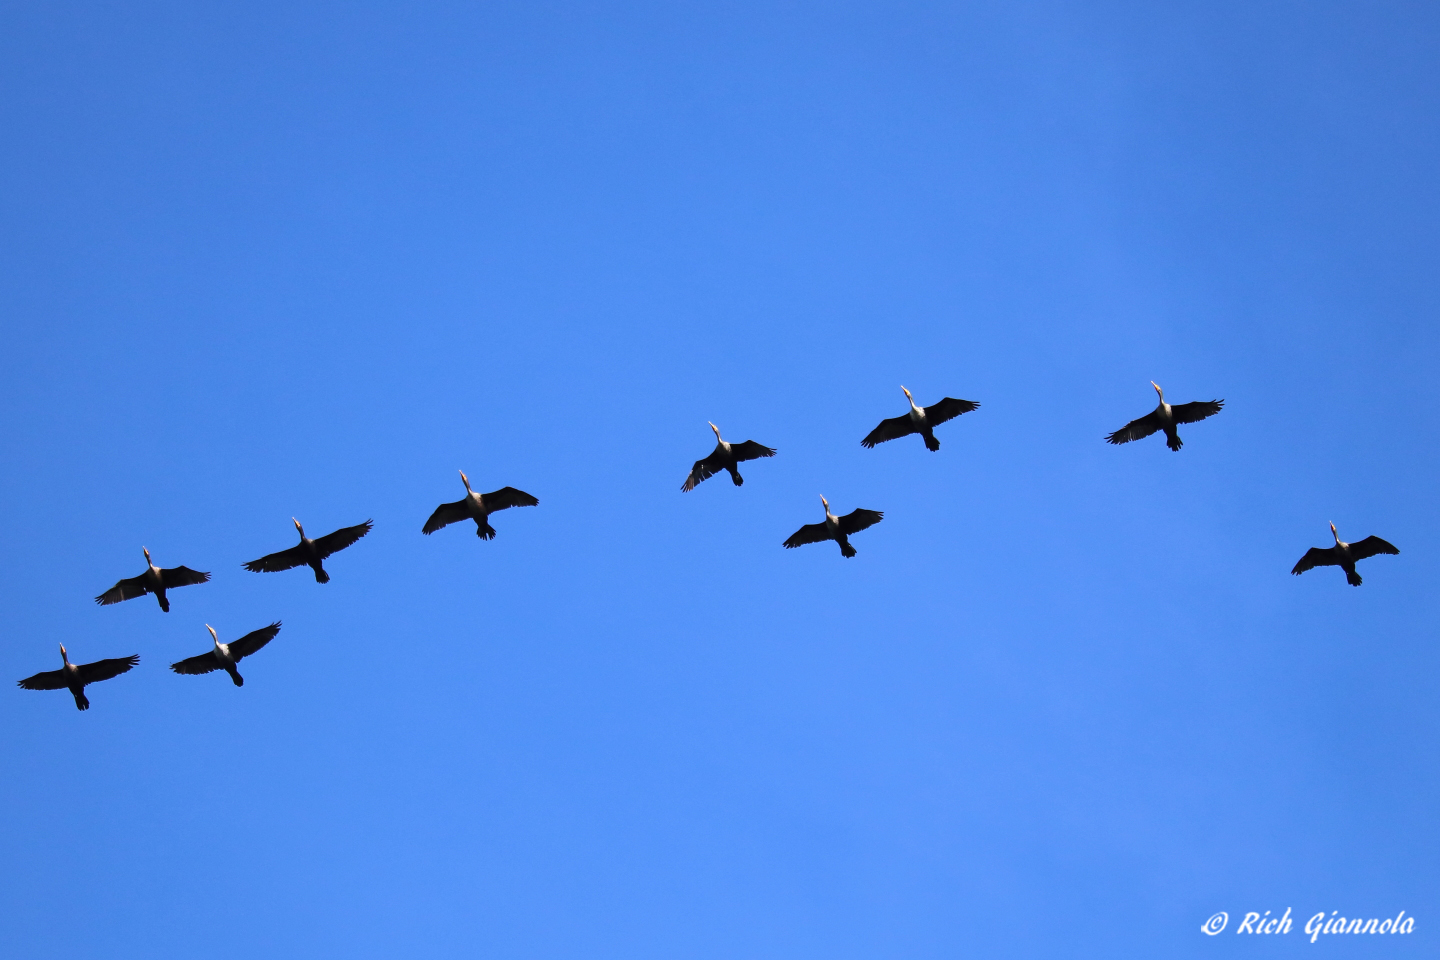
477, 507
835, 528
919, 420
153, 580
1165, 417
1343, 555
226, 655
724, 457
75, 676
310, 551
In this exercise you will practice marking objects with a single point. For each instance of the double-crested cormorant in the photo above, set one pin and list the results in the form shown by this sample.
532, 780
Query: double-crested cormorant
75, 676
724, 457
477, 507
835, 528
1165, 417
1343, 555
310, 551
226, 655
921, 420
153, 580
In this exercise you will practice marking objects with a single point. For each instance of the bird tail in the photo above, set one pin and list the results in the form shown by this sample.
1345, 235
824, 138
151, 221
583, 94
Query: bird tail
235, 676
82, 702
845, 549
735, 475
320, 575
1353, 578
1173, 441
486, 532
164, 603
931, 443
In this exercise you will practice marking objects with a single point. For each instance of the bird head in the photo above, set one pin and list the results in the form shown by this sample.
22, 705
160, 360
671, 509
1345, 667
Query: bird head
63, 655
1333, 532
1157, 389
297, 526
826, 502
465, 480
715, 428
148, 561
213, 635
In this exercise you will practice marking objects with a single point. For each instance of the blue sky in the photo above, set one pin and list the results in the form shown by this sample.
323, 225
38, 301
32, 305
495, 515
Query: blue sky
262, 261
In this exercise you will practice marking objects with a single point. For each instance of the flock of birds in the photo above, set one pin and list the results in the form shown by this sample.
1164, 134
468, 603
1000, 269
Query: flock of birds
479, 506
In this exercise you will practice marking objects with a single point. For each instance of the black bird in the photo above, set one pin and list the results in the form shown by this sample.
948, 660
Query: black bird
226, 655
724, 457
835, 528
477, 507
153, 580
76, 675
310, 551
1343, 555
1165, 417
919, 420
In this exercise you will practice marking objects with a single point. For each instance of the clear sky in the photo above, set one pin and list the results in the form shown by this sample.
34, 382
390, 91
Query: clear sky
267, 260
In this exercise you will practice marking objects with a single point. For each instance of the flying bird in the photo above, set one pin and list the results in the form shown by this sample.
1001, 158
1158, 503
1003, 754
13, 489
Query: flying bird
724, 457
835, 528
921, 420
477, 507
153, 580
1165, 417
1343, 555
226, 655
74, 676
310, 551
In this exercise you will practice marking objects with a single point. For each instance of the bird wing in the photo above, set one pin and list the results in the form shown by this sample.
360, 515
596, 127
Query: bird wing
253, 641
810, 533
1199, 410
1316, 557
750, 450
507, 497
204, 663
446, 514
704, 470
105, 669
342, 538
948, 409
284, 560
889, 430
181, 577
127, 589
1371, 546
857, 520
49, 680
1136, 429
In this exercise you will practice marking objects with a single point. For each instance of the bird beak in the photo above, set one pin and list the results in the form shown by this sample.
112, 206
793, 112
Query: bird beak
63, 655
824, 501
464, 479
297, 526
147, 554
1333, 532
902, 387
715, 428
212, 632
1156, 386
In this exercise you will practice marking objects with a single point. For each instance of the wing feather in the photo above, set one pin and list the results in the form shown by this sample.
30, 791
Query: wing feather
1371, 546
1136, 429
275, 562
750, 450
49, 680
204, 663
446, 514
253, 641
105, 669
507, 497
1316, 557
182, 577
948, 409
704, 469
1197, 411
810, 533
857, 520
890, 429
127, 589
342, 538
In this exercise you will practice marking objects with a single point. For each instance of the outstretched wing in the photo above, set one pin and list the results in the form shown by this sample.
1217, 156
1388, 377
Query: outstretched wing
1371, 546
342, 538
205, 663
810, 533
49, 680
273, 562
1316, 557
253, 641
105, 669
857, 520
507, 497
889, 430
127, 589
1136, 429
704, 470
1199, 410
181, 577
948, 409
446, 514
750, 450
